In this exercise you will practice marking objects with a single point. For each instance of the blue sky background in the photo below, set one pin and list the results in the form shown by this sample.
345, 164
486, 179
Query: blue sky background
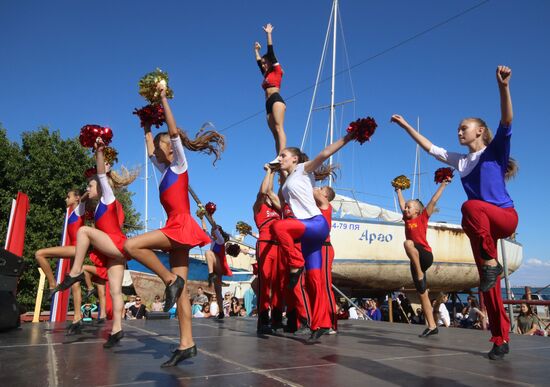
66, 64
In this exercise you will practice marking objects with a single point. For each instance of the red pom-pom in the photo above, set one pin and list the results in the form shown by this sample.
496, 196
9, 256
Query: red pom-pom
106, 135
210, 208
90, 172
151, 115
89, 134
362, 129
443, 174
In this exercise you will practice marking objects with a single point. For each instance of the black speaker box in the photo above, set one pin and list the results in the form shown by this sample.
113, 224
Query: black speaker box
9, 311
10, 264
158, 315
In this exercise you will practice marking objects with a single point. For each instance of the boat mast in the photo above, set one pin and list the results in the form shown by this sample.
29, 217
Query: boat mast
146, 188
335, 17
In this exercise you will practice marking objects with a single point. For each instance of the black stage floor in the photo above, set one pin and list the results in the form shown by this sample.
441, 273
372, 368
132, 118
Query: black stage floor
364, 353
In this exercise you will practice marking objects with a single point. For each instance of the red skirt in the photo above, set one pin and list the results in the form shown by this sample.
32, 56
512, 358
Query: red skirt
183, 229
100, 262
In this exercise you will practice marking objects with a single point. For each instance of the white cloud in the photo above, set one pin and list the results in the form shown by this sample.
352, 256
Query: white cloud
537, 262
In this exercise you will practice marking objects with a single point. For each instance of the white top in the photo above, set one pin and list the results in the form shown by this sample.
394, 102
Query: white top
463, 163
179, 162
444, 317
298, 193
80, 209
214, 308
107, 195
218, 240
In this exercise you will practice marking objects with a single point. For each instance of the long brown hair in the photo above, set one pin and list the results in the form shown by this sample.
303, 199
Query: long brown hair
119, 180
321, 173
512, 167
205, 141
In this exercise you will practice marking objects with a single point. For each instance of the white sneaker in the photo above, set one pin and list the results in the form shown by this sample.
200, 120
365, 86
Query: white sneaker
331, 332
274, 162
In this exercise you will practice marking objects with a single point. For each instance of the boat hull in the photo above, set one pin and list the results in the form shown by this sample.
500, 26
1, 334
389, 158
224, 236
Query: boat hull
369, 254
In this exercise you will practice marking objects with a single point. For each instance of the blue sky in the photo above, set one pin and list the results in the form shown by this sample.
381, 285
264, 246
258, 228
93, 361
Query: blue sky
66, 64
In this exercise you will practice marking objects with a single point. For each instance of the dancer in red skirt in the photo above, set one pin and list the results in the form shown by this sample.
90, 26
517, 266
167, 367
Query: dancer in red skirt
489, 213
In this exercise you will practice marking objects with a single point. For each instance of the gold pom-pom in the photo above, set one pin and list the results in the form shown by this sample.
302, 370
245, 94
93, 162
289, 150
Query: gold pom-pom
148, 86
243, 228
201, 211
401, 182
111, 155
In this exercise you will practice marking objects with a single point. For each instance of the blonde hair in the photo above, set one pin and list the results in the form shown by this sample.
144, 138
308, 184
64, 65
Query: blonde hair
119, 180
206, 141
512, 168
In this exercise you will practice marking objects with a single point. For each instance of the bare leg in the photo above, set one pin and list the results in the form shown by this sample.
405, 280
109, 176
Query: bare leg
116, 273
275, 120
140, 248
217, 267
179, 260
210, 260
77, 301
101, 241
57, 252
102, 300
427, 309
413, 255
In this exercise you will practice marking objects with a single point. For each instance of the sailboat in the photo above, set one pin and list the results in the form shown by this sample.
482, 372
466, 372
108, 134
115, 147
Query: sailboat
368, 239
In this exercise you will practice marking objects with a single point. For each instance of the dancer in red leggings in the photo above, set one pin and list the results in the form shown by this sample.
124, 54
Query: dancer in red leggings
489, 213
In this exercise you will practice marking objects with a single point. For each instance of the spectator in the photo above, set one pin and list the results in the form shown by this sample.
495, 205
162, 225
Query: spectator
441, 314
419, 318
131, 301
406, 306
87, 310
157, 305
473, 317
242, 312
227, 303
249, 299
343, 313
206, 310
214, 307
372, 310
137, 311
198, 313
235, 307
199, 300
526, 320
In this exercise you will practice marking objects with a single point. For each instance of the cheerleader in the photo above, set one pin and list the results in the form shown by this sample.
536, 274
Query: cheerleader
274, 104
106, 238
77, 208
266, 211
181, 232
489, 213
416, 216
309, 227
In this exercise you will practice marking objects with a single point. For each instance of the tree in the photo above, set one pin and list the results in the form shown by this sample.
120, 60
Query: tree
45, 167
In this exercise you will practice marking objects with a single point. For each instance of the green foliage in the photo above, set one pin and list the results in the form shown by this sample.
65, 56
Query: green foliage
45, 167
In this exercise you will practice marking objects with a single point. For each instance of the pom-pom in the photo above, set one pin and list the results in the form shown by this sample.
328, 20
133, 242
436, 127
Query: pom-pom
443, 174
233, 249
362, 129
90, 133
210, 208
111, 155
401, 182
243, 228
150, 115
148, 86
200, 212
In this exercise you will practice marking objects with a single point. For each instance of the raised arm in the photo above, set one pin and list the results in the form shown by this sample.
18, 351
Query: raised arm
401, 199
268, 28
430, 207
312, 165
149, 140
99, 156
170, 121
503, 79
416, 136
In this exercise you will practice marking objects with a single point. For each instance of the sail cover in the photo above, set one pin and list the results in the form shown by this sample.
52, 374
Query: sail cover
350, 206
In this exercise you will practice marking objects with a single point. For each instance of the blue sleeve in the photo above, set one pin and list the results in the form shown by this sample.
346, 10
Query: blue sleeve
500, 145
377, 315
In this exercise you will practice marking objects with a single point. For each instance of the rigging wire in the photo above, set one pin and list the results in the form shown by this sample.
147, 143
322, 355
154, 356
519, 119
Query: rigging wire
372, 57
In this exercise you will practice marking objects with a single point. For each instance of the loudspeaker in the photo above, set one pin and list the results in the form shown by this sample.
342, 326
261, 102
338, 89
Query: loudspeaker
9, 311
10, 264
158, 315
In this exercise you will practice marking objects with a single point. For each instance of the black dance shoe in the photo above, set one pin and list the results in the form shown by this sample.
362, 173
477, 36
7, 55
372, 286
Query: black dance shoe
498, 351
489, 276
172, 293
90, 292
294, 278
74, 329
303, 331
264, 330
316, 334
179, 355
212, 278
100, 321
114, 339
428, 332
68, 281
220, 316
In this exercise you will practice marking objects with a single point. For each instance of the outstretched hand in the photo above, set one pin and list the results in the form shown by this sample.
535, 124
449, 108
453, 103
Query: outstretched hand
268, 28
257, 46
99, 144
399, 120
504, 73
161, 87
